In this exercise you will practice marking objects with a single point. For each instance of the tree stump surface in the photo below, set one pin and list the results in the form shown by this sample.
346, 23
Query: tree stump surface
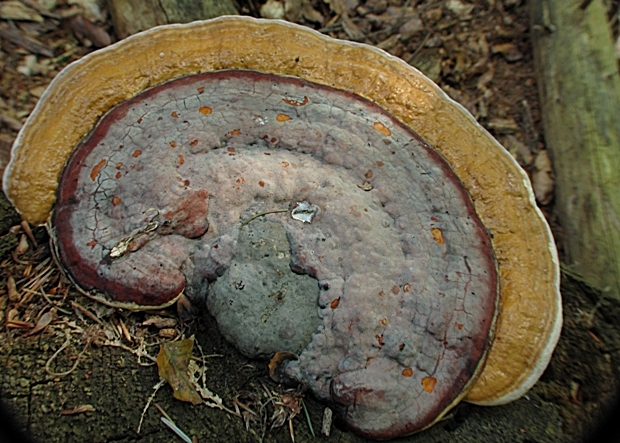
579, 91
132, 16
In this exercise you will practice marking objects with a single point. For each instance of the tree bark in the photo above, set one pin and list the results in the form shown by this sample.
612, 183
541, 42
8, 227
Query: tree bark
579, 89
132, 16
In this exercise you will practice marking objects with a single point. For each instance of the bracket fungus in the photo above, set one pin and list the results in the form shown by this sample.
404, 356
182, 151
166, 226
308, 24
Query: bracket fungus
437, 276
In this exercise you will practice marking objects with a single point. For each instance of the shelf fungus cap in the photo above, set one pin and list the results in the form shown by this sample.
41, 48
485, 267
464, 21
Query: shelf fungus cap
175, 235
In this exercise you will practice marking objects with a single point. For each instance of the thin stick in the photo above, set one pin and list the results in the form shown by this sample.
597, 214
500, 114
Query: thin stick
87, 313
260, 214
149, 401
77, 360
303, 405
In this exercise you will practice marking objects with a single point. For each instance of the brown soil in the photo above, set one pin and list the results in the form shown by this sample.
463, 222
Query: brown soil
481, 57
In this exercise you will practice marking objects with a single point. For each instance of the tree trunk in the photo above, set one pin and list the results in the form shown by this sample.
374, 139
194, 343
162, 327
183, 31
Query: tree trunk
579, 91
132, 16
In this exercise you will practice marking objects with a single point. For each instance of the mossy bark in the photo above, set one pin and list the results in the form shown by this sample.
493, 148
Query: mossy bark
579, 91
132, 16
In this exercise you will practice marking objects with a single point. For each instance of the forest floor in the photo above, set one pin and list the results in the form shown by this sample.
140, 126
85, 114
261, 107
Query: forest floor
76, 371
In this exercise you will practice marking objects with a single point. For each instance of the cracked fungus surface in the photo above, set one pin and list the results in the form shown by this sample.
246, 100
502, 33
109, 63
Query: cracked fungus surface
151, 204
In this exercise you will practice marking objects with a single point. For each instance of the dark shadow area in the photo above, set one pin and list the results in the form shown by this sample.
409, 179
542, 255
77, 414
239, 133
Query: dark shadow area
10, 431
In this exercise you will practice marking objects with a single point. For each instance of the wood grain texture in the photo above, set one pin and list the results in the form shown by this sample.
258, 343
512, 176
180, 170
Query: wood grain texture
132, 16
580, 98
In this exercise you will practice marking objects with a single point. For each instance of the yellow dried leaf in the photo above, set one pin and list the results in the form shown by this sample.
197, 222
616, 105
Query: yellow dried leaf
173, 362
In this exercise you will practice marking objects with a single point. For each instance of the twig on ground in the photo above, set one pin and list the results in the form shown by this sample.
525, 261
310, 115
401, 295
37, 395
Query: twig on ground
159, 384
62, 348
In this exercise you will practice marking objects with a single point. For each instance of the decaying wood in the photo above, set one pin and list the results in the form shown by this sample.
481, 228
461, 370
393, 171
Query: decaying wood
131, 16
579, 90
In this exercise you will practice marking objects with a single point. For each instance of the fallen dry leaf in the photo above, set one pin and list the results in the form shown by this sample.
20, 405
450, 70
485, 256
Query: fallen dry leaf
508, 50
84, 28
10, 122
503, 125
173, 363
78, 410
351, 29
22, 246
43, 322
543, 180
273, 9
28, 43
91, 9
311, 14
460, 9
160, 322
168, 333
16, 10
12, 289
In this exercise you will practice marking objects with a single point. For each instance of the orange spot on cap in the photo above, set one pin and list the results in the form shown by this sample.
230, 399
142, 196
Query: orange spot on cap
97, 169
116, 201
283, 118
459, 326
139, 120
428, 383
285, 164
193, 143
119, 165
92, 243
334, 304
240, 180
384, 321
382, 129
234, 132
261, 184
181, 160
380, 339
201, 90
395, 290
174, 114
407, 372
118, 174
137, 153
173, 144
205, 110
407, 288
438, 235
